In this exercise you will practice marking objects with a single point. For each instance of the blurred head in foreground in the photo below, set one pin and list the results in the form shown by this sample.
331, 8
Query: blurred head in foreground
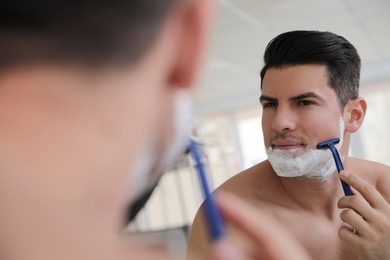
93, 104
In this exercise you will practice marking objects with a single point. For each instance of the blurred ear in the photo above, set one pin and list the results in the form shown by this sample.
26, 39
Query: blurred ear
354, 113
196, 19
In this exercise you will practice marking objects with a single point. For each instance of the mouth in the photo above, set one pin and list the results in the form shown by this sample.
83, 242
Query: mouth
294, 149
288, 145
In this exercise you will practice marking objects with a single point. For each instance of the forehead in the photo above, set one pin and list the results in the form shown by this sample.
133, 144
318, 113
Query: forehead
294, 80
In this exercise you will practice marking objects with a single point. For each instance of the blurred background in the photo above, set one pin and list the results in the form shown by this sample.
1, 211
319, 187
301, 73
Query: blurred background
227, 111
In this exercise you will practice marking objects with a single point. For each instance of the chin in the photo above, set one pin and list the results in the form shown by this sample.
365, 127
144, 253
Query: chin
318, 178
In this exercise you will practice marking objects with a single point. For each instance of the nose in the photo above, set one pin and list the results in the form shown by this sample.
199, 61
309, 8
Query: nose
284, 120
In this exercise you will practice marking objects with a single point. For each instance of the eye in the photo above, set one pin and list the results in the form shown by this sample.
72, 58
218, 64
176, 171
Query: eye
269, 104
305, 102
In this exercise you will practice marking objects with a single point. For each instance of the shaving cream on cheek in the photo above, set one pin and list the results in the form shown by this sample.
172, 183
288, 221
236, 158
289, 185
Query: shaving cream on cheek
150, 165
311, 163
316, 164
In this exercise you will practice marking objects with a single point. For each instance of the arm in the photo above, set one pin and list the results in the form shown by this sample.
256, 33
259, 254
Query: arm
368, 213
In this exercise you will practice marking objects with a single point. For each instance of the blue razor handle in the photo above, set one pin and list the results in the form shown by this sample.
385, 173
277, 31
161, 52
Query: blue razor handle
214, 217
339, 165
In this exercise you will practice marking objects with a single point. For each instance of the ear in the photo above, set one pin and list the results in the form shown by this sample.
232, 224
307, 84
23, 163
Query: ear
354, 113
196, 22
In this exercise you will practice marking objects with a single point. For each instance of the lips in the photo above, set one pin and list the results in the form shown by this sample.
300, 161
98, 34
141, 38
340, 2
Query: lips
287, 144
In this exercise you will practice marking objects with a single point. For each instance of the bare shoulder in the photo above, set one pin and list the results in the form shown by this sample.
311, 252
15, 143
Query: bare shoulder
249, 185
369, 170
252, 183
377, 174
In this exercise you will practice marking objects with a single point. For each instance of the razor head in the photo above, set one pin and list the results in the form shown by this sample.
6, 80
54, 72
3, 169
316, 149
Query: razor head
328, 143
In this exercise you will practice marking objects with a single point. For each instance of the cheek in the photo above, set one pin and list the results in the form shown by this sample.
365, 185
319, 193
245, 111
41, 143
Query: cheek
322, 130
267, 118
267, 131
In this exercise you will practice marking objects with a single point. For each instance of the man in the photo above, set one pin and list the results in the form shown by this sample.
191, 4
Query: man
310, 84
92, 98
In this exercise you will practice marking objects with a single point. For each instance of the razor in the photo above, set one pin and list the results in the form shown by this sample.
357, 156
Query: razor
213, 215
336, 156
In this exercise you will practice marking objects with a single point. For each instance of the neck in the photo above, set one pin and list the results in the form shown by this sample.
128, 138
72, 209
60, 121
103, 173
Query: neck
318, 197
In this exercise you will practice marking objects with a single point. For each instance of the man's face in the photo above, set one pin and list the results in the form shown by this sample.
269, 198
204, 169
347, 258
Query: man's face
299, 108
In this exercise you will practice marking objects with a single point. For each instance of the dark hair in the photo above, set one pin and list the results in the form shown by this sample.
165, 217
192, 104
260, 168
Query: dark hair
89, 32
314, 47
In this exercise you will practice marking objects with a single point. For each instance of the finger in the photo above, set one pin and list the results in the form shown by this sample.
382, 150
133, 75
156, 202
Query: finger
373, 197
225, 249
359, 205
349, 235
263, 230
352, 218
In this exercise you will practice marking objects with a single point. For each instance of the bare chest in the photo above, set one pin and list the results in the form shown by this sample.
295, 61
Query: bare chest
319, 237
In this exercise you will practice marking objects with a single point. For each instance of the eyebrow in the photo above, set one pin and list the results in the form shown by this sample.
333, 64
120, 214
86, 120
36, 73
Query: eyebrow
296, 98
266, 98
306, 95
